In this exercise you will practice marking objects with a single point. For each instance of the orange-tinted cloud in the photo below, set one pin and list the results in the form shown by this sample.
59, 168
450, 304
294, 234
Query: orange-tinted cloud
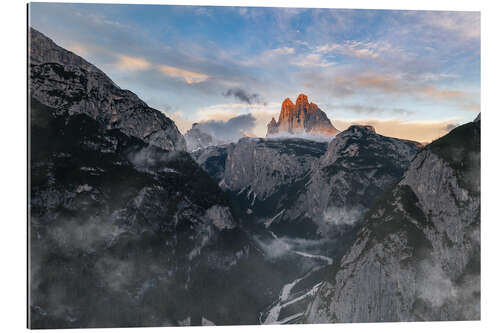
79, 49
360, 83
128, 63
435, 92
391, 84
188, 76
421, 131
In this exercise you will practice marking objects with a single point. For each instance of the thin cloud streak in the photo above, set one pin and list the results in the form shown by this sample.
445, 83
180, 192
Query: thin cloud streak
132, 64
188, 76
419, 131
367, 109
128, 63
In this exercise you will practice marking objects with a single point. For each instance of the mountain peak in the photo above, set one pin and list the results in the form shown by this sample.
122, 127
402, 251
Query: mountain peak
301, 117
91, 92
301, 100
361, 128
287, 101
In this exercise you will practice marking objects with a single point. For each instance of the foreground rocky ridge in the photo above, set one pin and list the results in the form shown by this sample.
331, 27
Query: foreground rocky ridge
64, 81
126, 229
127, 234
418, 255
118, 227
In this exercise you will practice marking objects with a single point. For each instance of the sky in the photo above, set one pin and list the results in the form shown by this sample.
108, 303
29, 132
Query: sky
411, 74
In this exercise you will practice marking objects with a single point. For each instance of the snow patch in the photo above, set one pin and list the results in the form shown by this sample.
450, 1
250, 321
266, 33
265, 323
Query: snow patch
268, 223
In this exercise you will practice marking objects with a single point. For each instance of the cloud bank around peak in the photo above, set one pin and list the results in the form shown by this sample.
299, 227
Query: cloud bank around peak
230, 130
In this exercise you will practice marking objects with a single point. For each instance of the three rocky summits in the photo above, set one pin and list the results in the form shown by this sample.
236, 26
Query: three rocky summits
301, 117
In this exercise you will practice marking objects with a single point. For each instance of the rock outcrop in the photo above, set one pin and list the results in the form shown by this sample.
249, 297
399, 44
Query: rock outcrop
301, 117
261, 166
197, 139
417, 256
358, 166
64, 81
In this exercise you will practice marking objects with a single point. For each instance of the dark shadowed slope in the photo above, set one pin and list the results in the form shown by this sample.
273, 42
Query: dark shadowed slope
125, 228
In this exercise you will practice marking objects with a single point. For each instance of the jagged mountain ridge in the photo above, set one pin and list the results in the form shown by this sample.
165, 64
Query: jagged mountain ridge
64, 81
308, 186
260, 175
301, 117
358, 166
305, 189
417, 256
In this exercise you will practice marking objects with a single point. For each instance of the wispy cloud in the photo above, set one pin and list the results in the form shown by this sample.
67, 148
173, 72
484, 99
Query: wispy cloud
358, 49
312, 60
129, 63
436, 92
344, 82
421, 131
223, 112
132, 64
269, 56
466, 25
79, 48
188, 76
375, 110
230, 130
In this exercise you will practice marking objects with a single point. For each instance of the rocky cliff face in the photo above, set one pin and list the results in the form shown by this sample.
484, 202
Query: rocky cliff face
263, 177
358, 166
212, 159
418, 255
306, 188
261, 166
66, 82
301, 117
